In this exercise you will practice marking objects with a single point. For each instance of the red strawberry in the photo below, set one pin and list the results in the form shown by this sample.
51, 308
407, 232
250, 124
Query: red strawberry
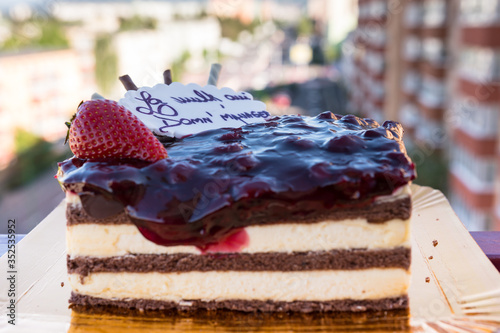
102, 128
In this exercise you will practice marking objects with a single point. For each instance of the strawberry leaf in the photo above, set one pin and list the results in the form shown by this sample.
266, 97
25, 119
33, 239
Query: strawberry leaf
68, 124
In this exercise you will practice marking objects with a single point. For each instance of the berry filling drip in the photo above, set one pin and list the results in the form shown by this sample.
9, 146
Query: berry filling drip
215, 183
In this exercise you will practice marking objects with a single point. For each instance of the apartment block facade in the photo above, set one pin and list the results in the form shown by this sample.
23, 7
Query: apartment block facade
434, 65
474, 175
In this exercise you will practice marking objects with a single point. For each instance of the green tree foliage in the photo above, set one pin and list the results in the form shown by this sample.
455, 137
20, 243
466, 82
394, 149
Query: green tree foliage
178, 66
106, 63
137, 22
305, 26
24, 141
231, 28
432, 167
333, 52
36, 33
34, 156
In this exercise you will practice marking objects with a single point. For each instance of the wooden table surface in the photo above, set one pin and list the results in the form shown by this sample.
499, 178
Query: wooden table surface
488, 241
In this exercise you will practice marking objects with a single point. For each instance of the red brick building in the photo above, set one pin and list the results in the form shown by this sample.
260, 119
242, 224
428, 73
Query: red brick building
434, 65
474, 149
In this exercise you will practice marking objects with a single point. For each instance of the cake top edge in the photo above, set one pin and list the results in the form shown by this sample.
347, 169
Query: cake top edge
289, 153
284, 163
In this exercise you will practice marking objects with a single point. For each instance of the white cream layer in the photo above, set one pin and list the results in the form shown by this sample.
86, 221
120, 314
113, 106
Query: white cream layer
118, 240
277, 286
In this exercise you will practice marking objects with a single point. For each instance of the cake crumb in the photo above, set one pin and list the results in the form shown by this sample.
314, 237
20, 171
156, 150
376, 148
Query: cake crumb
62, 284
431, 257
435, 243
427, 279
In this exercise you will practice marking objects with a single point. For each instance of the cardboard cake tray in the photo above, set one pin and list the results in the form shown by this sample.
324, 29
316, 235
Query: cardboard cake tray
458, 290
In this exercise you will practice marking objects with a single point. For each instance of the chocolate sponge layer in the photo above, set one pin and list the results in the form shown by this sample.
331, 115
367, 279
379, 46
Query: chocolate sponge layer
273, 261
82, 303
375, 212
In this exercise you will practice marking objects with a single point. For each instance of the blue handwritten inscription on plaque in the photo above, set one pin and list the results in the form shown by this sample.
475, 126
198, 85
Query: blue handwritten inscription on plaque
245, 115
179, 110
162, 108
164, 111
202, 97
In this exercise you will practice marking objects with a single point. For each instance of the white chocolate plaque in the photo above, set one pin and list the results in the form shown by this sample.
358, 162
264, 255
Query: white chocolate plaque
177, 110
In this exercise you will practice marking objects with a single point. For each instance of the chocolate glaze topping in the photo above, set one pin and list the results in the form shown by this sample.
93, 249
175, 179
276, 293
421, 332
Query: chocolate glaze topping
215, 182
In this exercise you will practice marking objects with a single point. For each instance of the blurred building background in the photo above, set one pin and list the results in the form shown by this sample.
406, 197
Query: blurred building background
433, 65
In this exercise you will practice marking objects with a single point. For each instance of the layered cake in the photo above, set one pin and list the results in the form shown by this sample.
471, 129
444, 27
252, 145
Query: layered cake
279, 214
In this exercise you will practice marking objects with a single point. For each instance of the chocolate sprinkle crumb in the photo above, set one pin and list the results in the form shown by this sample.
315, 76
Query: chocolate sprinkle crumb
62, 284
435, 243
427, 279
431, 257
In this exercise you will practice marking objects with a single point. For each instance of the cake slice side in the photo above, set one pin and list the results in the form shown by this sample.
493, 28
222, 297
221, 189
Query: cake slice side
335, 265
